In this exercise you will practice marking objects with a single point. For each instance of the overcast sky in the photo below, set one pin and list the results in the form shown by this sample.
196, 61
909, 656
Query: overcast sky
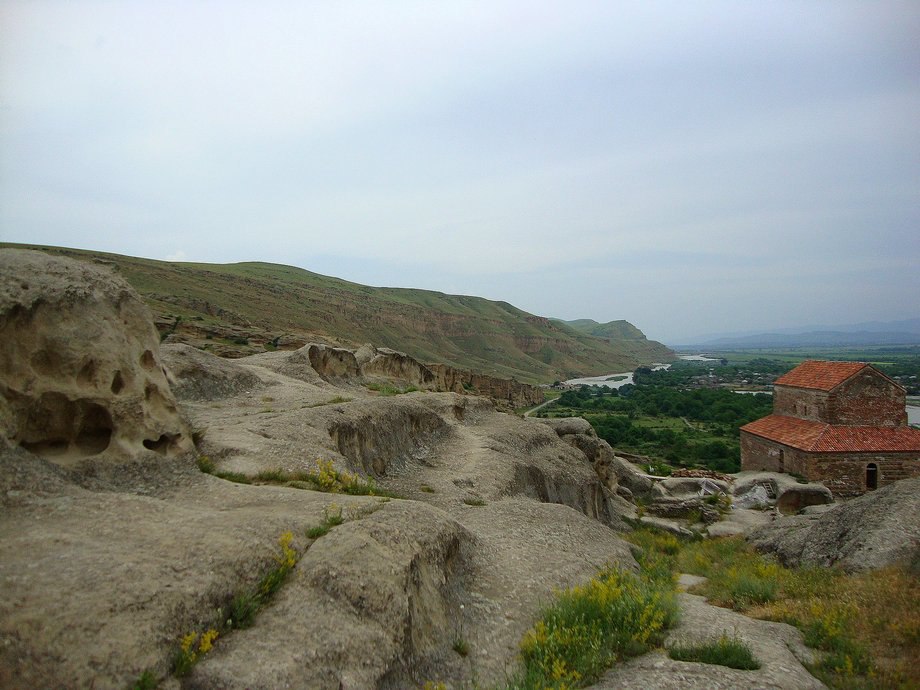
692, 167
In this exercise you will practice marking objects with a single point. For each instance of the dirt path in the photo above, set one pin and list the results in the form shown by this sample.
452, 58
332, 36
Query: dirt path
539, 407
777, 646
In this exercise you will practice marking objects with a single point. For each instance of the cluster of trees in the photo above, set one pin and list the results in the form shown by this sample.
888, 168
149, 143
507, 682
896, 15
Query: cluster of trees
683, 447
710, 418
718, 406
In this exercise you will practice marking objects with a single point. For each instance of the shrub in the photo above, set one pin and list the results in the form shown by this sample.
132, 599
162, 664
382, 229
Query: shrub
461, 647
587, 628
748, 587
236, 477
387, 389
205, 464
191, 649
725, 651
277, 475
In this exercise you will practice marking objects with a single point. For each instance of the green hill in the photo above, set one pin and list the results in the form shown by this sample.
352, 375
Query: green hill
236, 309
614, 330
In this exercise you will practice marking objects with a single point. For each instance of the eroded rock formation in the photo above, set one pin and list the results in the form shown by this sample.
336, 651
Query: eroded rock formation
104, 574
877, 529
80, 374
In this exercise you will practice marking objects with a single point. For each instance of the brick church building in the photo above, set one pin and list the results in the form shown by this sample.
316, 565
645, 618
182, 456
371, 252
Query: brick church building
840, 423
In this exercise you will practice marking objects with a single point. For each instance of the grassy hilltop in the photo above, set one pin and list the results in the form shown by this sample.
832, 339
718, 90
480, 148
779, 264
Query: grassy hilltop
249, 307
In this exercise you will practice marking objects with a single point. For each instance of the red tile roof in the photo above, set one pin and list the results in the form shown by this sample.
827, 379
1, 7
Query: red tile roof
823, 376
818, 437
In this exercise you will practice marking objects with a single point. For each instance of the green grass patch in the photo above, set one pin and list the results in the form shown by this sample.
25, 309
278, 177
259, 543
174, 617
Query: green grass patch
738, 577
726, 651
387, 389
474, 501
235, 477
146, 681
324, 478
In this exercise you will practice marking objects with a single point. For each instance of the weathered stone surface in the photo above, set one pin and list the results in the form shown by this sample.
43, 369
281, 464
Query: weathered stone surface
332, 363
793, 497
199, 375
631, 477
80, 375
567, 426
679, 486
788, 494
666, 525
872, 531
683, 508
512, 392
578, 432
380, 362
103, 573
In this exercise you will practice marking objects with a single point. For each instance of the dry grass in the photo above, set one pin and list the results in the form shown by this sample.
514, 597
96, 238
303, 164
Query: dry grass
867, 625
871, 619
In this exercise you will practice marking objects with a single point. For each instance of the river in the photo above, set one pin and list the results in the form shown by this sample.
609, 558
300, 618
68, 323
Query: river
626, 377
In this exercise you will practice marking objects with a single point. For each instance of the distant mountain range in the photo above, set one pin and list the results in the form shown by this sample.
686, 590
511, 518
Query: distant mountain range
904, 332
244, 308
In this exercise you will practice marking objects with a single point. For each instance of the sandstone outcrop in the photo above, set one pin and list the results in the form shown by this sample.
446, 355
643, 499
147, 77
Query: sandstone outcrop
103, 573
577, 432
514, 393
877, 529
379, 362
80, 375
332, 363
197, 375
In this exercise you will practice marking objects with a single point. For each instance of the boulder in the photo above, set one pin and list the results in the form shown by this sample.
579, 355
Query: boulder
877, 529
791, 498
631, 477
80, 370
666, 526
